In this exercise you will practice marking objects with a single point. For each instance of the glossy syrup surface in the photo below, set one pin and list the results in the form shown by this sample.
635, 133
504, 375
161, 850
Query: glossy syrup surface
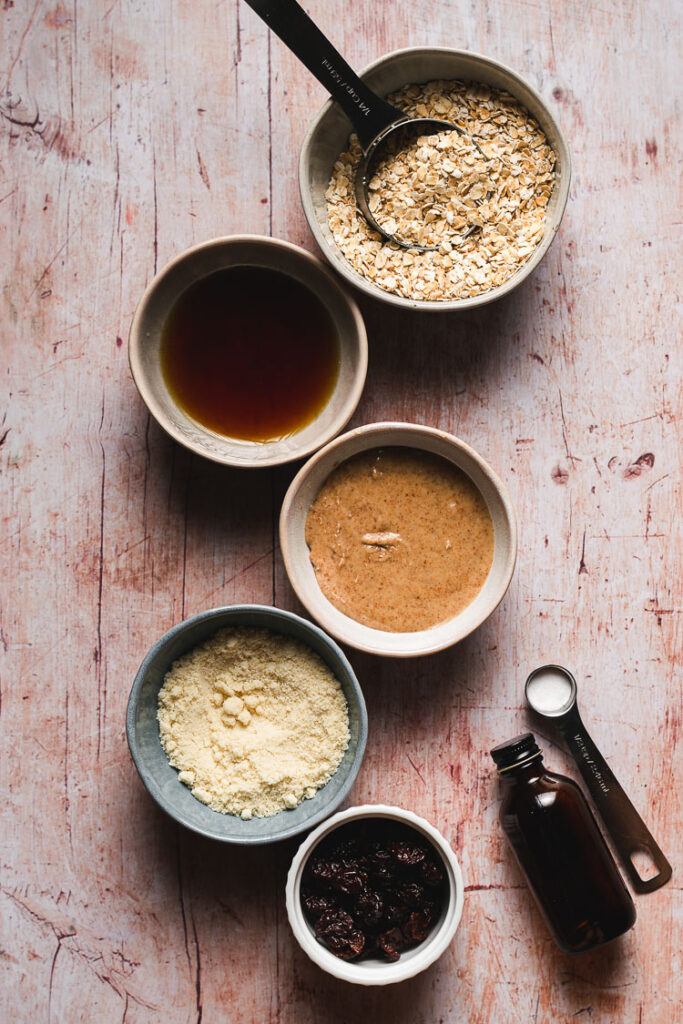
250, 353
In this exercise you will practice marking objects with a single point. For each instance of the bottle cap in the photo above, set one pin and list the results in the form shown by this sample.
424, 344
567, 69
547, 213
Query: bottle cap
515, 752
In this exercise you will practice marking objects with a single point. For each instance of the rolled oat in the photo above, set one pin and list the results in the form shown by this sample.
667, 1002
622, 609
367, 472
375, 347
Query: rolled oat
432, 190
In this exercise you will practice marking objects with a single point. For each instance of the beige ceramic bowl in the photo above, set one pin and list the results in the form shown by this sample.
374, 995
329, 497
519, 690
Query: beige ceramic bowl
328, 136
302, 492
233, 251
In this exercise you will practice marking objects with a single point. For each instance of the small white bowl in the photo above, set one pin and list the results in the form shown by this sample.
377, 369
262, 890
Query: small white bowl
412, 961
237, 251
295, 552
328, 137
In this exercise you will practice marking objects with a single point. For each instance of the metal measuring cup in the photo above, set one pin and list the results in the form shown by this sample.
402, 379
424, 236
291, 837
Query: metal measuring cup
551, 691
374, 120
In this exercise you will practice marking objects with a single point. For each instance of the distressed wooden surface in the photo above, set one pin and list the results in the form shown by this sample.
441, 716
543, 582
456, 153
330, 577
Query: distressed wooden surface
129, 131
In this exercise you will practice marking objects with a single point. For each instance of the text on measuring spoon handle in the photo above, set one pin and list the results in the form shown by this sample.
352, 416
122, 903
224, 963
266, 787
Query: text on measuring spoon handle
339, 80
585, 753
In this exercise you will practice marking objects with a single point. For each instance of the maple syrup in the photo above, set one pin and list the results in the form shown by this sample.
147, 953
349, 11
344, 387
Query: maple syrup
250, 353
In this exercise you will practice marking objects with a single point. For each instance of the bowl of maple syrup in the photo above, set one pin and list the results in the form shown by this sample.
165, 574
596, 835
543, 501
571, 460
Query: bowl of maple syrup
247, 351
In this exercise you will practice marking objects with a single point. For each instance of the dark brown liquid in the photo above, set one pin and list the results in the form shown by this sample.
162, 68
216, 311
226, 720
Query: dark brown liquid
250, 353
561, 850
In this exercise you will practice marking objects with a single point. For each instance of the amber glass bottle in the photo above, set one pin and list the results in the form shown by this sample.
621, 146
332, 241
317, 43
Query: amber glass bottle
560, 849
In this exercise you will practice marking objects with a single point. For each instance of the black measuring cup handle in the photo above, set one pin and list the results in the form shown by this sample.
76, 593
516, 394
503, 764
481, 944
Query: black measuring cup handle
627, 829
369, 114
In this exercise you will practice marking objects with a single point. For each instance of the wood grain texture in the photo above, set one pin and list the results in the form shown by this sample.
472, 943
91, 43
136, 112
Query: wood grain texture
129, 131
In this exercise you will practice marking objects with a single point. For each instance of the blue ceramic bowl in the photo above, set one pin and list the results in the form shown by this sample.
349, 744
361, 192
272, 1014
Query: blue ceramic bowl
161, 780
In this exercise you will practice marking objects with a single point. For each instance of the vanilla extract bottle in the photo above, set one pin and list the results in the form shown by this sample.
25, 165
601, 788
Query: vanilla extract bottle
560, 849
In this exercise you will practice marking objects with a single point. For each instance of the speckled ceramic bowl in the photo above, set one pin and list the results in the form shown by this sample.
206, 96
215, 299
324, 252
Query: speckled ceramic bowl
328, 137
295, 552
412, 961
161, 779
240, 251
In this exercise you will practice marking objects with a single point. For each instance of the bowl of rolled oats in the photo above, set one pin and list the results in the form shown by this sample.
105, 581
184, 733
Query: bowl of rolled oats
486, 201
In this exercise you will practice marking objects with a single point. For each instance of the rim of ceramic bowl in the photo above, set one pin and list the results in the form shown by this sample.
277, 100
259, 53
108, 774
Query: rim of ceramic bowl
415, 960
147, 777
295, 552
338, 260
208, 443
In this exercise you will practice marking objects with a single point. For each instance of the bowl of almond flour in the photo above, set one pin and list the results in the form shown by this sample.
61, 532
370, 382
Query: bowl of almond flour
511, 188
246, 724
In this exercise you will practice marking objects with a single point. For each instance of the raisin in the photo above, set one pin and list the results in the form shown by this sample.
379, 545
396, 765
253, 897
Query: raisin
431, 873
335, 928
407, 854
396, 913
372, 946
315, 904
384, 876
412, 894
391, 943
348, 849
377, 857
333, 924
356, 945
430, 908
348, 879
372, 890
416, 928
369, 909
324, 870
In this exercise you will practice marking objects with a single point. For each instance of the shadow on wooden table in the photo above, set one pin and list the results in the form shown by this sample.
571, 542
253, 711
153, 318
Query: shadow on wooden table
327, 1000
216, 896
597, 983
421, 363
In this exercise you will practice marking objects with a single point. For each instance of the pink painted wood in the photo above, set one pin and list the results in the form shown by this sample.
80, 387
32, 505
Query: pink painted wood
130, 131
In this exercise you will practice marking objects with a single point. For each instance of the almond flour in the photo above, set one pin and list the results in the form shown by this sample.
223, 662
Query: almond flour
255, 722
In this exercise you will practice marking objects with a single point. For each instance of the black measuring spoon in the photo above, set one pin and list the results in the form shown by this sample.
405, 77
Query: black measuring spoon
375, 121
551, 691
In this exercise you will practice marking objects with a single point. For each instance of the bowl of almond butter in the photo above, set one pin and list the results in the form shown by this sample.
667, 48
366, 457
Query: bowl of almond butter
488, 214
399, 539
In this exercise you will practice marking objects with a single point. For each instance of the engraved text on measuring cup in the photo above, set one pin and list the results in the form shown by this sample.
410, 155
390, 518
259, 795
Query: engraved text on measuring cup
591, 763
363, 107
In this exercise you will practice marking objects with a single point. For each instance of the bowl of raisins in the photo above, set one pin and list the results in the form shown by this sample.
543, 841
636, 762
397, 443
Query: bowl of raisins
374, 895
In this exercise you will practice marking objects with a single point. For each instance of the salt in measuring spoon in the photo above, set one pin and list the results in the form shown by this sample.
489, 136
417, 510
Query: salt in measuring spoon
551, 692
374, 120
